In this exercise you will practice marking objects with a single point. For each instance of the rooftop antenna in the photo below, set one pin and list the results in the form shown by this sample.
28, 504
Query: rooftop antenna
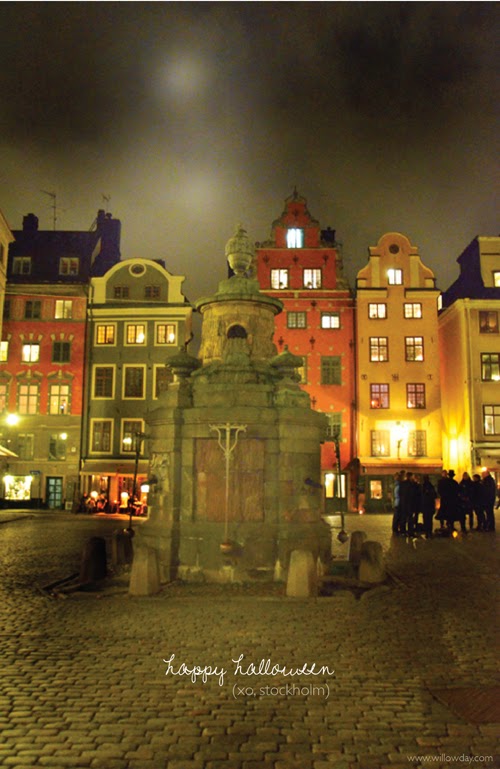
54, 205
106, 199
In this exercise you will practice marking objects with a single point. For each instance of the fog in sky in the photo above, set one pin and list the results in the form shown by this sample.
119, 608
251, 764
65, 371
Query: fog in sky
193, 117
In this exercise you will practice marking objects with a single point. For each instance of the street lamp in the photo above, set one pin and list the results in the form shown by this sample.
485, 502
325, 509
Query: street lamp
137, 439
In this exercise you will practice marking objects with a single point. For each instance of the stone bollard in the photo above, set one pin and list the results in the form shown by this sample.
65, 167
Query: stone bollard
122, 551
355, 547
145, 575
94, 565
302, 579
372, 567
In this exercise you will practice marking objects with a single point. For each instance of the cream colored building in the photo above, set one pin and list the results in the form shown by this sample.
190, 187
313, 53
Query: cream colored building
399, 403
469, 336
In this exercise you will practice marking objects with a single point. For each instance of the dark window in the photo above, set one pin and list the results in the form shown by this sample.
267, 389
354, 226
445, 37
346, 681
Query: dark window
101, 435
103, 382
296, 320
25, 445
33, 309
57, 447
334, 425
163, 377
134, 382
152, 292
331, 371
61, 352
121, 292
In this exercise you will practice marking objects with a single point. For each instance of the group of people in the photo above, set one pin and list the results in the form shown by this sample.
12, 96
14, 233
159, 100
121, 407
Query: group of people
451, 502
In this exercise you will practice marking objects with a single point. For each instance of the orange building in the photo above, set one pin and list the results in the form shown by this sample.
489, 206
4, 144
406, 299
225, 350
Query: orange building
302, 266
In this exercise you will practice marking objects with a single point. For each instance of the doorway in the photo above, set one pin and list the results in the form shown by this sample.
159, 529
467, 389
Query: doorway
54, 492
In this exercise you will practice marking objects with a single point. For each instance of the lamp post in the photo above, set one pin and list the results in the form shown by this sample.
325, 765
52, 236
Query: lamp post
137, 441
342, 536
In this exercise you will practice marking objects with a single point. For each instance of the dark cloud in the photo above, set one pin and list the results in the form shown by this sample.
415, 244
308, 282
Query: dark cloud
196, 115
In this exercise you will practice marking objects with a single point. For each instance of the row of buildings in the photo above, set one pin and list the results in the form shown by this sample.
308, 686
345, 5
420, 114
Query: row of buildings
408, 376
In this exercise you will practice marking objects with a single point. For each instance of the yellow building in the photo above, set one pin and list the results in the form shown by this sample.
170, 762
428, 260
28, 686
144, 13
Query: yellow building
399, 403
469, 336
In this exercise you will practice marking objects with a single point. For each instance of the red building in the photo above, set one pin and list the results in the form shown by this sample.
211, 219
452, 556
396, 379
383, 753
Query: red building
42, 356
302, 266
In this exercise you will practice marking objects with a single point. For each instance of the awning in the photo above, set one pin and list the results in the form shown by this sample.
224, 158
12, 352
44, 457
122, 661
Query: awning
6, 452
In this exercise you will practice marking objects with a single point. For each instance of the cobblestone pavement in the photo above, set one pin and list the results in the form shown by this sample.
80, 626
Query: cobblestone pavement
84, 682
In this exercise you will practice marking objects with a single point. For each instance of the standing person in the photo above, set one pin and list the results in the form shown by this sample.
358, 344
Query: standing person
396, 518
452, 501
489, 494
428, 504
416, 501
465, 501
477, 501
405, 497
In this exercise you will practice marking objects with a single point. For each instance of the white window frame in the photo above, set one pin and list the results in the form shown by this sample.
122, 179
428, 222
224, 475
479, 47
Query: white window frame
142, 397
142, 343
280, 278
91, 436
63, 309
21, 265
295, 237
395, 276
172, 343
130, 451
106, 326
30, 352
113, 388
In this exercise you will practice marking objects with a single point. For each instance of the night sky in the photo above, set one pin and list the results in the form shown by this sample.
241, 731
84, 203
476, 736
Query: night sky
193, 117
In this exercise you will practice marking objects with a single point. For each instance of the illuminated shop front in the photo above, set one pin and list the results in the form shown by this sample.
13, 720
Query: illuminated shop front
17, 488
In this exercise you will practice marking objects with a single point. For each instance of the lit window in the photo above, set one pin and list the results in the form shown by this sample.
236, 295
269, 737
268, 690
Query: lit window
21, 265
105, 334
490, 366
69, 265
30, 353
33, 309
133, 386
376, 489
4, 351
296, 320
28, 398
379, 396
166, 333
496, 278
491, 418
417, 443
136, 334
415, 396
334, 425
412, 310
330, 320
101, 435
4, 397
380, 442
59, 399
25, 446
103, 381
279, 278
312, 278
379, 349
152, 292
377, 310
64, 309
335, 485
295, 238
331, 370
130, 429
395, 277
414, 348
488, 322
121, 292
57, 447
61, 352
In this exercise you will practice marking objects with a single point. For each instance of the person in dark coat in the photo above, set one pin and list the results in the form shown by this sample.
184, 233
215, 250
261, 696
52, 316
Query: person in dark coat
465, 502
405, 498
397, 527
415, 502
476, 493
452, 500
429, 496
489, 493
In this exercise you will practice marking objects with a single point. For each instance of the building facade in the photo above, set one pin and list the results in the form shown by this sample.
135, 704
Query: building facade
398, 398
301, 265
469, 335
43, 357
137, 317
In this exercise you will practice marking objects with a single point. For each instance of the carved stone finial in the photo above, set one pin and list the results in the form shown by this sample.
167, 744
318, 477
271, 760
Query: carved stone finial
239, 252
